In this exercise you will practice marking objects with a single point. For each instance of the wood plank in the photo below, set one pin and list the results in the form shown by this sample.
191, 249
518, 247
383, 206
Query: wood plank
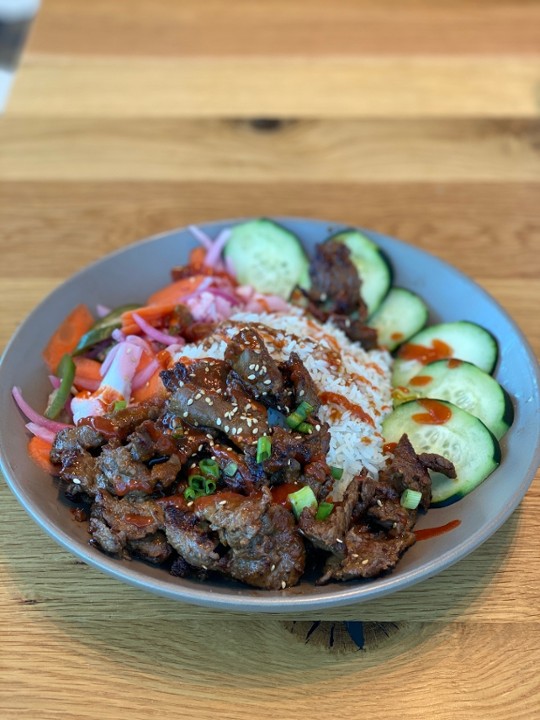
307, 151
237, 669
293, 27
495, 584
397, 87
488, 230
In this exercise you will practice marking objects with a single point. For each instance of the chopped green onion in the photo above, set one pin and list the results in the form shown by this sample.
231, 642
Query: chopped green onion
324, 510
410, 499
303, 498
264, 448
230, 469
299, 415
305, 428
337, 473
120, 405
190, 494
209, 486
196, 482
209, 467
59, 397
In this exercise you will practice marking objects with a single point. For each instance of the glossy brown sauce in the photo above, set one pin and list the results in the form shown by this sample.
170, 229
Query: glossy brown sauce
280, 493
99, 424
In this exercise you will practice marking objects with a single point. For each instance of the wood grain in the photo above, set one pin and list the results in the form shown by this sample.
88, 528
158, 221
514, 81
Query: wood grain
192, 87
417, 119
308, 151
292, 27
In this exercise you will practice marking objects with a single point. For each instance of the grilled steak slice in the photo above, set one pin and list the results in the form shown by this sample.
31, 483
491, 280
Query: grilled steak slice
335, 284
265, 549
355, 329
367, 554
208, 374
246, 478
409, 470
191, 539
115, 523
329, 534
120, 474
153, 548
125, 421
81, 437
257, 369
304, 387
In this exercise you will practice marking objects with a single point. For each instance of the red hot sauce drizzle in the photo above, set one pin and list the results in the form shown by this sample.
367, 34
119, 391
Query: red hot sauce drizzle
439, 350
428, 533
437, 413
421, 380
453, 363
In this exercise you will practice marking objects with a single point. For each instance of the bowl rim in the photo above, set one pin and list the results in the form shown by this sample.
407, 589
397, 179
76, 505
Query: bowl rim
249, 599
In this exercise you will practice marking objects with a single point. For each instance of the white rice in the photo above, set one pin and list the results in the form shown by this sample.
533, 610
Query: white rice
336, 366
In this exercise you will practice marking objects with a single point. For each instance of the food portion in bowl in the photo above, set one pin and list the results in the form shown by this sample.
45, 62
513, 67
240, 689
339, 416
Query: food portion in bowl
240, 422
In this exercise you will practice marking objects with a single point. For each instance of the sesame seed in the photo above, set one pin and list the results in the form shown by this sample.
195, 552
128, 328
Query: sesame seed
239, 430
200, 447
208, 401
226, 428
252, 367
204, 567
354, 555
379, 503
283, 584
317, 427
255, 421
206, 369
191, 374
339, 541
272, 568
233, 431
267, 382
263, 369
222, 502
301, 393
256, 367
218, 421
209, 436
198, 396
190, 401
75, 481
255, 431
251, 377
365, 562
190, 503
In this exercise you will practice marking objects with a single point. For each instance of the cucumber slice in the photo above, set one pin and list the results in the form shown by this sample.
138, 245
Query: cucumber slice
401, 315
468, 387
464, 340
462, 438
373, 268
267, 256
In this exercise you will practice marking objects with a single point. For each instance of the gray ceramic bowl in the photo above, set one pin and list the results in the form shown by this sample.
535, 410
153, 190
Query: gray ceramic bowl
131, 275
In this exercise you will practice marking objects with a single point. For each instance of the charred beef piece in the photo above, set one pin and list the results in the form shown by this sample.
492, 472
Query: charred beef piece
335, 293
153, 548
357, 331
304, 388
265, 549
120, 474
329, 534
125, 421
70, 450
191, 539
409, 470
295, 451
246, 478
368, 553
252, 362
208, 374
243, 425
81, 437
165, 473
335, 284
115, 523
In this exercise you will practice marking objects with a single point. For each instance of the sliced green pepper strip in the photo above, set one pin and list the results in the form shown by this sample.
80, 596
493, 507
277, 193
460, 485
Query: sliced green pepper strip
58, 398
324, 510
103, 328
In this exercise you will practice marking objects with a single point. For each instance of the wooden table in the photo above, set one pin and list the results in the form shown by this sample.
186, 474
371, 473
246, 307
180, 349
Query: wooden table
415, 119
